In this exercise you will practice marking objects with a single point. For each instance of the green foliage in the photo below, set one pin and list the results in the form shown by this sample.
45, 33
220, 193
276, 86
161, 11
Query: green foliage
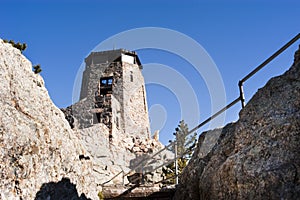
20, 46
101, 195
169, 170
37, 68
184, 141
185, 144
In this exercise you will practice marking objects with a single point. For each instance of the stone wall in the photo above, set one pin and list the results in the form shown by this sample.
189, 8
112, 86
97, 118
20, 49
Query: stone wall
135, 103
124, 111
117, 125
90, 86
85, 110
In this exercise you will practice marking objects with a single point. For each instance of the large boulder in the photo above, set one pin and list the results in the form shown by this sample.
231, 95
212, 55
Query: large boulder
258, 157
40, 155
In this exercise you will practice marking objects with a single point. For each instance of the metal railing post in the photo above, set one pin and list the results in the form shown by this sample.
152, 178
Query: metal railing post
242, 96
123, 177
176, 162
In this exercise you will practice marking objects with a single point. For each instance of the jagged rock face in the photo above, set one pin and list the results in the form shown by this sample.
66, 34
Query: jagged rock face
39, 151
258, 157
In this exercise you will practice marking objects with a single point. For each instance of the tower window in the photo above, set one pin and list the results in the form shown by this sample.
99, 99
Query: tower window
106, 85
103, 82
131, 76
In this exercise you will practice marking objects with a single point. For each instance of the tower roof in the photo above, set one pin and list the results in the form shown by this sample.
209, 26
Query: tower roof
110, 56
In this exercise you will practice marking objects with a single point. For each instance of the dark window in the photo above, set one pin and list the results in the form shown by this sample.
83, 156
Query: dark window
104, 82
131, 76
106, 85
96, 118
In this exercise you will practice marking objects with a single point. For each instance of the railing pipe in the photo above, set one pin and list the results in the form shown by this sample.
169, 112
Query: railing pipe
272, 57
287, 45
148, 159
112, 178
176, 162
215, 115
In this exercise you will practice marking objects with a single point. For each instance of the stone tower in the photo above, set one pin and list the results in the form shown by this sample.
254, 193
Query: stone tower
113, 93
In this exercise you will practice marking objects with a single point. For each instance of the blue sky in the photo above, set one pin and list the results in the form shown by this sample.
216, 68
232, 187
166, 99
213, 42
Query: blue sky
238, 36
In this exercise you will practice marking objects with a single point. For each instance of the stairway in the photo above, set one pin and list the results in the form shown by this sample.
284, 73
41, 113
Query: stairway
138, 192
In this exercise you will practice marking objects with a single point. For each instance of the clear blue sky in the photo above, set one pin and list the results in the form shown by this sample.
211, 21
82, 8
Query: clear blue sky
237, 35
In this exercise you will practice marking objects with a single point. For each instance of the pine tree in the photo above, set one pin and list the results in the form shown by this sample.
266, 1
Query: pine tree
18, 45
184, 146
37, 68
184, 141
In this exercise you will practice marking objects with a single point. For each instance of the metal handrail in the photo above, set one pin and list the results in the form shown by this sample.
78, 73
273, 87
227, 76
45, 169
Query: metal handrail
102, 184
267, 61
167, 163
214, 115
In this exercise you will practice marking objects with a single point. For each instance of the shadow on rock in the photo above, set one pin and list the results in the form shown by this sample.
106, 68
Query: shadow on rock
63, 189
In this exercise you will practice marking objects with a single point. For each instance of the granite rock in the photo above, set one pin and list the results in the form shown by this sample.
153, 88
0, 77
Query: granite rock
37, 146
258, 157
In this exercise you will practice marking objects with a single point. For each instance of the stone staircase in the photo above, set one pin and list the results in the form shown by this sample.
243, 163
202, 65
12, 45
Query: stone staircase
138, 192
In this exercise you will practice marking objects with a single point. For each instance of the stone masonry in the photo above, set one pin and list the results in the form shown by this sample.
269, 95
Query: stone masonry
113, 93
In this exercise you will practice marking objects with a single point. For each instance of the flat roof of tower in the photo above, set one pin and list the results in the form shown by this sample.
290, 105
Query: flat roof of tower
111, 55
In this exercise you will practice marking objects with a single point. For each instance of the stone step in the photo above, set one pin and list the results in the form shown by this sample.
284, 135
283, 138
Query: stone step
136, 192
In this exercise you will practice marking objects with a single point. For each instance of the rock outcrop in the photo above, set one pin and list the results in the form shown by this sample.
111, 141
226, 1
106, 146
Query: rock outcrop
40, 154
258, 157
